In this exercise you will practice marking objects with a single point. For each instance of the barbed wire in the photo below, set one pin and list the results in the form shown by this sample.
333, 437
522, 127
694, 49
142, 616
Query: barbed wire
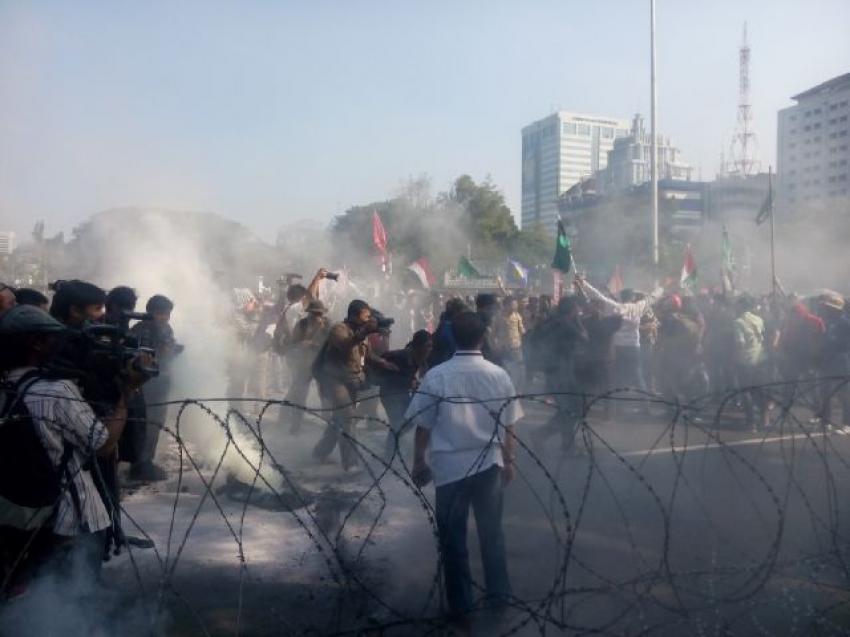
699, 533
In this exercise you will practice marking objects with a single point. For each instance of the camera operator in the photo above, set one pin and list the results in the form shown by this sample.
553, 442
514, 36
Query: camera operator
63, 433
78, 305
298, 297
340, 369
120, 304
301, 349
156, 333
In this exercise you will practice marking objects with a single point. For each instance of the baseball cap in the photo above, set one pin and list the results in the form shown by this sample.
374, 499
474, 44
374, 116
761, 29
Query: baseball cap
28, 319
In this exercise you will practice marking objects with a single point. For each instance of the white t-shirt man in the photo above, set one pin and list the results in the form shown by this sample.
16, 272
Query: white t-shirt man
465, 404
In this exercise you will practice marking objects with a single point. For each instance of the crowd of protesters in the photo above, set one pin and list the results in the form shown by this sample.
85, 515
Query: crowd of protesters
92, 405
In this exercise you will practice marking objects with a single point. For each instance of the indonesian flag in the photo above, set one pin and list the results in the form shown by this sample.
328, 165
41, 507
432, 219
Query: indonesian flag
379, 239
688, 280
615, 283
422, 270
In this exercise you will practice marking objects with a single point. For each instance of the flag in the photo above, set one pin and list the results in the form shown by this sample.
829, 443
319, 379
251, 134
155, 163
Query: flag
379, 239
517, 271
466, 270
688, 280
563, 259
422, 270
615, 283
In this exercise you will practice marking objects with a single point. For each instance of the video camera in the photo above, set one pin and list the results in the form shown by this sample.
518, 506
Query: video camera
384, 322
108, 349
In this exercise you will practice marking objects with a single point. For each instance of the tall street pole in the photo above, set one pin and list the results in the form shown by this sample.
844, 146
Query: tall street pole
773, 280
653, 149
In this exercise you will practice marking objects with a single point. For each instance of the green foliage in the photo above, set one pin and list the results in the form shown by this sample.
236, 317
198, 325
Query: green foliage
469, 217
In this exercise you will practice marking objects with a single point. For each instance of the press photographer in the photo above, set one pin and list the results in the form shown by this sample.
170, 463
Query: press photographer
98, 357
154, 331
51, 513
340, 369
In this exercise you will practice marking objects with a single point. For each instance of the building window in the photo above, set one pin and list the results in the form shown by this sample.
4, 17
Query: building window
817, 139
807, 127
569, 129
583, 130
817, 125
607, 133
807, 114
793, 118
817, 111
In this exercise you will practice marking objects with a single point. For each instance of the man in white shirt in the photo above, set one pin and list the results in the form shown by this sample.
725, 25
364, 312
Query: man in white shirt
464, 413
627, 360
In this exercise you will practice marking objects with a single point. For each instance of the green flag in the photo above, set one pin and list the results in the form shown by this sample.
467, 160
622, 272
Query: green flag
466, 270
563, 260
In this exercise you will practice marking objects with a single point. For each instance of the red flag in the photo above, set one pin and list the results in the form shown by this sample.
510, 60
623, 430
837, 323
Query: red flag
422, 269
688, 278
615, 283
379, 239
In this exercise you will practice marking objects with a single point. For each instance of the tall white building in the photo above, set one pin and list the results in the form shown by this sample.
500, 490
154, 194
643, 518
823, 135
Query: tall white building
813, 145
629, 162
7, 242
559, 151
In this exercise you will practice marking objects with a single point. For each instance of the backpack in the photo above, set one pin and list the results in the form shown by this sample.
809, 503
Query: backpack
30, 486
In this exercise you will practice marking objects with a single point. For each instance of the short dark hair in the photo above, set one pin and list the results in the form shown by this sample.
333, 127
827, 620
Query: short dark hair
295, 292
28, 296
158, 303
568, 305
468, 328
75, 293
485, 300
121, 298
455, 306
420, 338
355, 307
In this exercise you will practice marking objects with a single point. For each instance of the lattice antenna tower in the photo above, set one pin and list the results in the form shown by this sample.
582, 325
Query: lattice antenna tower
742, 153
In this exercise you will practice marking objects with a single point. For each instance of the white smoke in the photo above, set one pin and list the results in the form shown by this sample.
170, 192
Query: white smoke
162, 254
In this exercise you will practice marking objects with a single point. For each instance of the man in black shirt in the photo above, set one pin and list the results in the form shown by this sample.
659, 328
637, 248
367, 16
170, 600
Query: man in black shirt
157, 334
396, 386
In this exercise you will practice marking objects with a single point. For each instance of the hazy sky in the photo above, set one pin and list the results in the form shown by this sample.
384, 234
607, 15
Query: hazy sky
273, 111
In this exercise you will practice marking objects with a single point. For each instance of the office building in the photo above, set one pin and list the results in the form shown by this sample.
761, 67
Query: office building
7, 242
629, 162
557, 153
813, 146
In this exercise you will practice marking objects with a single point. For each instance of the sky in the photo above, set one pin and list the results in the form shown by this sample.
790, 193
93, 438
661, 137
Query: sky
270, 112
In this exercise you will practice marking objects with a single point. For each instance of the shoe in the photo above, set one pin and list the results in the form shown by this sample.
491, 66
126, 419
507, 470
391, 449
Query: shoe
147, 472
138, 542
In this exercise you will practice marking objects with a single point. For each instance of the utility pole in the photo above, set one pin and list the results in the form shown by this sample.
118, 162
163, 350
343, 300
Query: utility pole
653, 149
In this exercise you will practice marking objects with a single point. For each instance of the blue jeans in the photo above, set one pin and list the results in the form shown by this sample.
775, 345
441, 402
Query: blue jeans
484, 492
628, 372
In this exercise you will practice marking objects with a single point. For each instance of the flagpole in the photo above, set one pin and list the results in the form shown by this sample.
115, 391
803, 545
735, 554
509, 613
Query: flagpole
653, 152
772, 231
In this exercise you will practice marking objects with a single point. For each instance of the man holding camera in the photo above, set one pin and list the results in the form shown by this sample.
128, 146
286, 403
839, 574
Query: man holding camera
70, 434
155, 332
340, 369
79, 305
